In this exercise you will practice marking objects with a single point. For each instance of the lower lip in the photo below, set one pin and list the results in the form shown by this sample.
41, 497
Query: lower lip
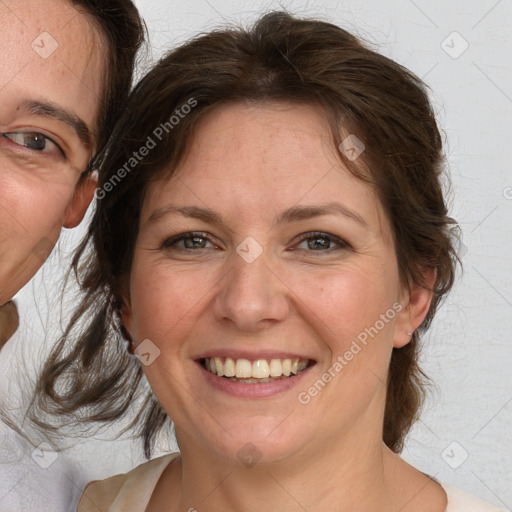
255, 390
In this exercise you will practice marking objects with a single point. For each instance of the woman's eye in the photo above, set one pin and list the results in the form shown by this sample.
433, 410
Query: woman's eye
321, 242
34, 141
188, 241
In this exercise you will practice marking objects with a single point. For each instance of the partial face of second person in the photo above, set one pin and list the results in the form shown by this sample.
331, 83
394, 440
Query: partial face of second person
50, 88
264, 247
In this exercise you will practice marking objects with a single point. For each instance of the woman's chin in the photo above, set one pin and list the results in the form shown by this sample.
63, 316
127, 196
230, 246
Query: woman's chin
256, 446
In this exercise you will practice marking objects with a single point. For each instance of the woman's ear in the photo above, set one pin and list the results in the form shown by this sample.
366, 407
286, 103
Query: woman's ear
82, 197
416, 303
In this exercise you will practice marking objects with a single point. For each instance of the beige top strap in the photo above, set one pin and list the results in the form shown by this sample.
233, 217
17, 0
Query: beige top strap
130, 491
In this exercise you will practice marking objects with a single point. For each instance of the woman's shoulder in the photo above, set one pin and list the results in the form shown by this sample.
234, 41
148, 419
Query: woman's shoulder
134, 487
461, 501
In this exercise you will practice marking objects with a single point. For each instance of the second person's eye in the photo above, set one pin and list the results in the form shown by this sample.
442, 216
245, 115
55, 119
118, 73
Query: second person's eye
35, 142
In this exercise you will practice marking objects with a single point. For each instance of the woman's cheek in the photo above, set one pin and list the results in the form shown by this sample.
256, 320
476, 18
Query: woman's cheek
163, 297
340, 297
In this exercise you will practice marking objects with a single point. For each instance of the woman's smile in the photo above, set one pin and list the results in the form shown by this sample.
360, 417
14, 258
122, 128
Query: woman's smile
255, 371
259, 378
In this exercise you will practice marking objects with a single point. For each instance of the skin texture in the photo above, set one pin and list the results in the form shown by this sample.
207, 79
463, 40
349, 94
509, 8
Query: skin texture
250, 163
38, 181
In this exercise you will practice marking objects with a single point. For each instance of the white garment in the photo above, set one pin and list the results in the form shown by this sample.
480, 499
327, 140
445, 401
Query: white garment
25, 485
132, 492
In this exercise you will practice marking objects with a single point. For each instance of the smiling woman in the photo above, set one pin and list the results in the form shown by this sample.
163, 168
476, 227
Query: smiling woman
288, 237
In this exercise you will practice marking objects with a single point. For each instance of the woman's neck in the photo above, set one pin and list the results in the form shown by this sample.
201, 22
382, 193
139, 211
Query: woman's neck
346, 477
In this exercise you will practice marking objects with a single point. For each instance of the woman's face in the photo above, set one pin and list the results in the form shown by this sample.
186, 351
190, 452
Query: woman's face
50, 87
264, 252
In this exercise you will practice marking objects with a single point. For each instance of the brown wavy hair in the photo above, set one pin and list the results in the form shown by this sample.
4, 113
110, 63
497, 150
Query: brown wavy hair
90, 376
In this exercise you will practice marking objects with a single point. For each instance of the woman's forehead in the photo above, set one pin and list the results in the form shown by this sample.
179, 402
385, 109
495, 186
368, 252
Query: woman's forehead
266, 157
54, 52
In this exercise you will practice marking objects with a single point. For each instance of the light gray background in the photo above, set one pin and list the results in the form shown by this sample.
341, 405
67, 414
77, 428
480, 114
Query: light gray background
464, 435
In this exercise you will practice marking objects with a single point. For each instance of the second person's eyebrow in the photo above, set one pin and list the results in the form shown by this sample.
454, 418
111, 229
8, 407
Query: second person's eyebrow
48, 109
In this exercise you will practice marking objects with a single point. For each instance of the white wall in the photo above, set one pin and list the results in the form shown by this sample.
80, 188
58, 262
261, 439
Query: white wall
468, 353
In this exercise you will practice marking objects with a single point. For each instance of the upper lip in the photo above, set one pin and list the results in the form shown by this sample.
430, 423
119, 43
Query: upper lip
252, 355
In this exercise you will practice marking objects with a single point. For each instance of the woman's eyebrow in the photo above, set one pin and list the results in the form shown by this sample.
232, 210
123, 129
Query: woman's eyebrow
48, 109
294, 214
195, 212
298, 213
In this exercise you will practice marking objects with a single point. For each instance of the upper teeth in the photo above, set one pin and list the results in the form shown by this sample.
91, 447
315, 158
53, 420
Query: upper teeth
259, 369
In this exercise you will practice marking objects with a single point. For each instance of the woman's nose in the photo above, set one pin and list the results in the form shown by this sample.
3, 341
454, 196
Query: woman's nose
251, 295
